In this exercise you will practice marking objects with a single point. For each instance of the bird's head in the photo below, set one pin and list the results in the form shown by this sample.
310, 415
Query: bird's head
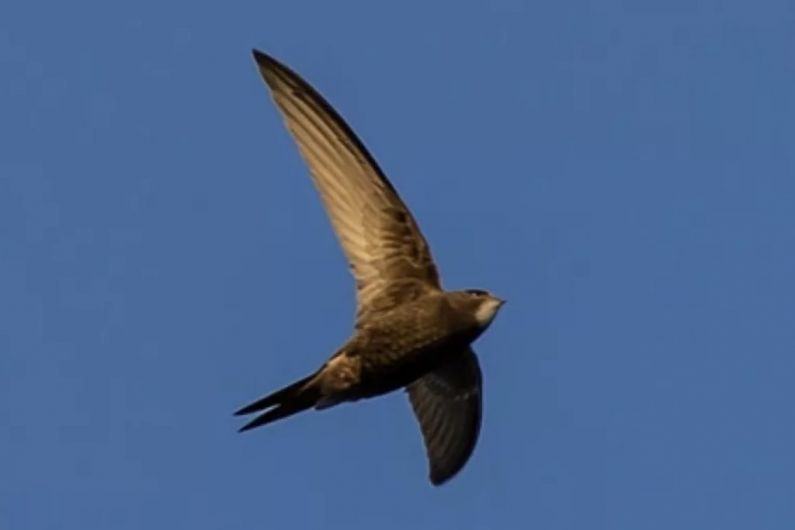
481, 304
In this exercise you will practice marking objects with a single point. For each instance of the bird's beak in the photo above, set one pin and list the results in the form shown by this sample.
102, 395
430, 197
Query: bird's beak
501, 301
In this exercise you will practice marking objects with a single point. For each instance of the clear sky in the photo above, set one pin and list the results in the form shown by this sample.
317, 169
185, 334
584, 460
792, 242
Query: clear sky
622, 172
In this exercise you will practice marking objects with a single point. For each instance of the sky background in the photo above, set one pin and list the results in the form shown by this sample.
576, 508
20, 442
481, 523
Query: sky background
622, 172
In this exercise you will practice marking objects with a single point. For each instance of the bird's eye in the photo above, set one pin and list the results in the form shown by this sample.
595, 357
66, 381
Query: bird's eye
476, 292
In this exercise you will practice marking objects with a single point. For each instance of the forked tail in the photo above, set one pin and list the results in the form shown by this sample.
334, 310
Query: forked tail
292, 399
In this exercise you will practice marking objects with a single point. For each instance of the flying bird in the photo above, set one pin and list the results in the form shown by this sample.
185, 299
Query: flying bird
408, 332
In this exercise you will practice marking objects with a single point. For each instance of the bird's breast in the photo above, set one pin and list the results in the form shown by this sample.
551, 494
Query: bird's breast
403, 346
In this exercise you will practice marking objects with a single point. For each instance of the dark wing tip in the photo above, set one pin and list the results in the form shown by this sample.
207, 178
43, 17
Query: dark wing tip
439, 479
441, 475
262, 58
266, 64
275, 73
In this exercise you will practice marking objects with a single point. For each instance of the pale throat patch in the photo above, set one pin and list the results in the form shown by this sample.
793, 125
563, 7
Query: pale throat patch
486, 312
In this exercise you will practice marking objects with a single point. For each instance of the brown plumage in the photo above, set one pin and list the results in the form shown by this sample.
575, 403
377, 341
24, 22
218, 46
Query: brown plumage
408, 331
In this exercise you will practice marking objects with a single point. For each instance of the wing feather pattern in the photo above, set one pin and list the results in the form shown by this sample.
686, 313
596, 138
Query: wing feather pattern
388, 255
448, 405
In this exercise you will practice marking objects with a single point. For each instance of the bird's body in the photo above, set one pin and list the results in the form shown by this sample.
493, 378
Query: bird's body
409, 332
392, 350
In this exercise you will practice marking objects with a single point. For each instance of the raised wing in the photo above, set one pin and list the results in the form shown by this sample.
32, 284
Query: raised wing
388, 255
447, 403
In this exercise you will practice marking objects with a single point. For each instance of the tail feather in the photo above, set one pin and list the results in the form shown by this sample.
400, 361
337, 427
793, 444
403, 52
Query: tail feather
275, 398
287, 401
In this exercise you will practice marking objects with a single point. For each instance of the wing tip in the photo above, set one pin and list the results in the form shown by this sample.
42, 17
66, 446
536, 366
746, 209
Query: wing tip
267, 64
437, 481
261, 57
272, 71
440, 477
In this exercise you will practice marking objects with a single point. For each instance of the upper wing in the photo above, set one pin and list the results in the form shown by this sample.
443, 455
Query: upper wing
389, 257
447, 403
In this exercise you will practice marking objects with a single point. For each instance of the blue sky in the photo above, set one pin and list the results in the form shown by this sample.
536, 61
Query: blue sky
622, 172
